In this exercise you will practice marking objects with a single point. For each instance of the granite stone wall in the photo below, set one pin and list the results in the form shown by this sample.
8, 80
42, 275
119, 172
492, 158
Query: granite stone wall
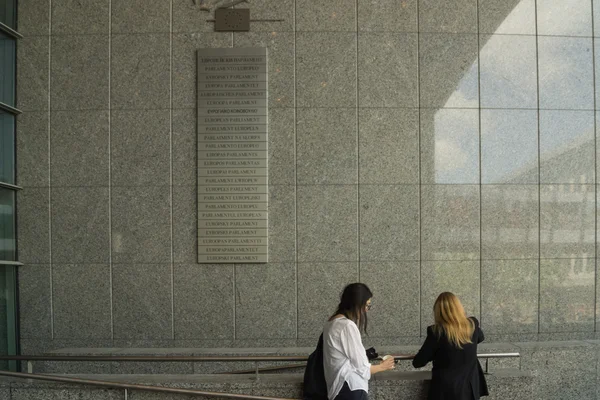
416, 146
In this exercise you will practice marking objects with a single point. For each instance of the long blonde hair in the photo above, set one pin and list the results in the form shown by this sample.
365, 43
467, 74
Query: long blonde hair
450, 318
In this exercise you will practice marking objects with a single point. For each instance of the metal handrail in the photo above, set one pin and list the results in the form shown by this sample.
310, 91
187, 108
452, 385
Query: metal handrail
129, 386
201, 358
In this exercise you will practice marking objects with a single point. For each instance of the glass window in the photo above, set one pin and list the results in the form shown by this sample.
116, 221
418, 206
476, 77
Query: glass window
7, 68
7, 148
8, 315
8, 13
7, 225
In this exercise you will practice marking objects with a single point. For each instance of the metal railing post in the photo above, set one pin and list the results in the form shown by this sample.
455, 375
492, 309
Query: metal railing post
256, 368
29, 367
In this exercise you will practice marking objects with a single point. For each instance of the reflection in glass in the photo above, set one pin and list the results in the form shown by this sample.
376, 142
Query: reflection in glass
508, 72
7, 70
8, 13
448, 70
507, 17
7, 315
510, 296
567, 295
450, 146
564, 18
7, 225
566, 73
567, 147
7, 148
567, 224
450, 216
509, 222
509, 146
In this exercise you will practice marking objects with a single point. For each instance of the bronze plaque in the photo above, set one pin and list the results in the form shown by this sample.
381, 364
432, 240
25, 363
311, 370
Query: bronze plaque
232, 20
233, 194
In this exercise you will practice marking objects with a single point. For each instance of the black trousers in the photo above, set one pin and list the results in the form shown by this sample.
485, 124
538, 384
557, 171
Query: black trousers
347, 394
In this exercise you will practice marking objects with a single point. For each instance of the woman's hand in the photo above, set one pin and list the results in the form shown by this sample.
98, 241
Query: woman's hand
385, 365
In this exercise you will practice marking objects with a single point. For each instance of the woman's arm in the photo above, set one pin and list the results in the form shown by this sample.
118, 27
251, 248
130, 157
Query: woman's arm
427, 351
355, 351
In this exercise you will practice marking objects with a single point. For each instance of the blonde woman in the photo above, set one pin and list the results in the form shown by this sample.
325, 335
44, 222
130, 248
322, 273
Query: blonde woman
452, 346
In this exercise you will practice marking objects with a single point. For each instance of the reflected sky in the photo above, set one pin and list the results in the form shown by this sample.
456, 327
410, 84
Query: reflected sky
509, 80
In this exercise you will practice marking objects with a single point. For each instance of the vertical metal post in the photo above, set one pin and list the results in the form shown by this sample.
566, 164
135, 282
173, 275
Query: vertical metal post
256, 369
29, 367
487, 360
126, 394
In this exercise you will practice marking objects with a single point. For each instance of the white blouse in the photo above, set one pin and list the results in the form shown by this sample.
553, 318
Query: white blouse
344, 357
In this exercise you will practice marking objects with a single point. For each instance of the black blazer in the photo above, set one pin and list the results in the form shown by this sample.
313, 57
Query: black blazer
456, 374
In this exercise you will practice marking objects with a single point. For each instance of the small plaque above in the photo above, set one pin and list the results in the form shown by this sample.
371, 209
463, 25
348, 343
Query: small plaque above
232, 20
232, 145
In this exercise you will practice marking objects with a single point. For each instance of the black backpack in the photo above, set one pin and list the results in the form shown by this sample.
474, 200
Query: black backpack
315, 387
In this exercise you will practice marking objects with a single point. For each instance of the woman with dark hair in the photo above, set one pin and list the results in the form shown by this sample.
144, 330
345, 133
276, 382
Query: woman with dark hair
452, 346
347, 368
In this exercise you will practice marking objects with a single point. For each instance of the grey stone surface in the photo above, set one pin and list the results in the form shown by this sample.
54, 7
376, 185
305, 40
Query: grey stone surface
565, 88
389, 222
33, 57
387, 15
257, 318
70, 392
140, 71
139, 148
79, 72
448, 16
203, 302
567, 153
509, 296
152, 368
33, 225
564, 19
141, 224
388, 146
81, 296
272, 10
567, 295
395, 312
185, 218
510, 222
79, 148
34, 301
32, 149
281, 69
184, 61
567, 226
458, 277
327, 223
189, 18
448, 70
80, 225
509, 147
282, 223
326, 69
387, 70
142, 301
80, 17
508, 71
185, 147
326, 16
319, 288
282, 146
561, 370
326, 146
450, 225
507, 17
449, 146
140, 16
34, 17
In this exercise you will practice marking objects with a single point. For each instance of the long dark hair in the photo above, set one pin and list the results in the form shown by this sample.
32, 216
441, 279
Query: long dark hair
352, 304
